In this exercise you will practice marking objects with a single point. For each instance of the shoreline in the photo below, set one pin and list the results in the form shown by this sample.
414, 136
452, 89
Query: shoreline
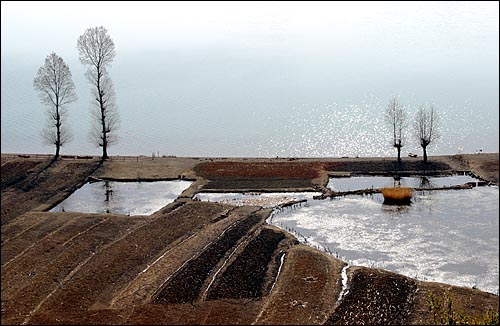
457, 162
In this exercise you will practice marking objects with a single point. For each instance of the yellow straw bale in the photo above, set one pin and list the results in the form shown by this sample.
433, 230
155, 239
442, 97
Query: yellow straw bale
397, 196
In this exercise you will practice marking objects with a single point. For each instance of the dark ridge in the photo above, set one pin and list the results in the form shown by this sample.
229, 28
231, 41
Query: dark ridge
245, 277
185, 285
16, 171
387, 166
233, 183
375, 298
222, 216
259, 170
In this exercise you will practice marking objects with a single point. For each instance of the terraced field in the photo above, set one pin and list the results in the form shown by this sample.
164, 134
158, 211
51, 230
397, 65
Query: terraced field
189, 263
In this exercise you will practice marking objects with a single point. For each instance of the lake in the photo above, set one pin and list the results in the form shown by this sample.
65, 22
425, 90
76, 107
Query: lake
266, 81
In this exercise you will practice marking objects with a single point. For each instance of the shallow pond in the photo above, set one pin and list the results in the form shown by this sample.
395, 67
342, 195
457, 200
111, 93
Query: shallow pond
449, 236
130, 198
360, 183
256, 199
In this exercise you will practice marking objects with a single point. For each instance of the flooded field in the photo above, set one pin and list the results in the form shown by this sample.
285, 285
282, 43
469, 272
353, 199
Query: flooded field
447, 236
361, 182
271, 199
129, 198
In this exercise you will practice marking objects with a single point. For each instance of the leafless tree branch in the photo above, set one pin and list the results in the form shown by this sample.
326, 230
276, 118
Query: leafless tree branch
396, 119
426, 128
56, 90
97, 51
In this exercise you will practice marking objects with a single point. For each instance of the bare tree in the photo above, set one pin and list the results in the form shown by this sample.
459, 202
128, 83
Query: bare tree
56, 89
426, 128
96, 50
395, 116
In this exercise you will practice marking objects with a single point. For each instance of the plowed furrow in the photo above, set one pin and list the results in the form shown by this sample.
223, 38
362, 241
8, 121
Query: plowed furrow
96, 283
244, 278
375, 297
186, 284
23, 296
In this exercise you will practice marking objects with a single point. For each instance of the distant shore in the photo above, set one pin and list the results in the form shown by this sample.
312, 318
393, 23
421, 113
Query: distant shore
482, 165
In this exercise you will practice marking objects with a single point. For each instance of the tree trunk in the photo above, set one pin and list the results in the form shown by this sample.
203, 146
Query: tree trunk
104, 138
399, 153
425, 153
103, 116
58, 131
105, 151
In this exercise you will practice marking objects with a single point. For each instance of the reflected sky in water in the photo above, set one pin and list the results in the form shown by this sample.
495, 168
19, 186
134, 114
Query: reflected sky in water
129, 198
444, 236
271, 199
360, 183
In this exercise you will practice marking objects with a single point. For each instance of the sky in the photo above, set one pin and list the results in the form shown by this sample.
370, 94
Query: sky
260, 78
152, 25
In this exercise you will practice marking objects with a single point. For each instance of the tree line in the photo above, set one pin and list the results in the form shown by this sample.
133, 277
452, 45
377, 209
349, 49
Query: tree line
425, 126
54, 83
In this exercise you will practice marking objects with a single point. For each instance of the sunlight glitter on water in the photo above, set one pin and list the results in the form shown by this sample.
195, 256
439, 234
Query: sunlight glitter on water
359, 129
444, 236
256, 199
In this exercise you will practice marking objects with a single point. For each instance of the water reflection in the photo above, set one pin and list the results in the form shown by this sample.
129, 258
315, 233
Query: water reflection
396, 210
362, 182
108, 191
447, 236
256, 199
129, 198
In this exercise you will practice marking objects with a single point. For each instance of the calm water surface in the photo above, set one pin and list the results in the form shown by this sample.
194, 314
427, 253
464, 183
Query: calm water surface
256, 199
449, 236
445, 236
130, 198
360, 183
266, 80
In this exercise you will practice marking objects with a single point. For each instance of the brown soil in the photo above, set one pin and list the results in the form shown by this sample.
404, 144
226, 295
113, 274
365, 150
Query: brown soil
375, 297
39, 184
15, 171
236, 282
259, 176
185, 285
197, 262
484, 166
259, 170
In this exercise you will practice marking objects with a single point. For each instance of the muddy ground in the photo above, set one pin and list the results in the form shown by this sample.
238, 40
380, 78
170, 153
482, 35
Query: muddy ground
196, 262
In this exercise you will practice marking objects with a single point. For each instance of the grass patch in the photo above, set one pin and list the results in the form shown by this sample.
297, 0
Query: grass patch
444, 314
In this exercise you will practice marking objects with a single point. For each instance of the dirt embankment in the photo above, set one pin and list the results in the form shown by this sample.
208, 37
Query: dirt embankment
260, 176
484, 165
28, 184
197, 262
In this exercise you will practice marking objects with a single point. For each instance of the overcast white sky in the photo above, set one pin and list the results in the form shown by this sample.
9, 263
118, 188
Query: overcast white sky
149, 24
45, 26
